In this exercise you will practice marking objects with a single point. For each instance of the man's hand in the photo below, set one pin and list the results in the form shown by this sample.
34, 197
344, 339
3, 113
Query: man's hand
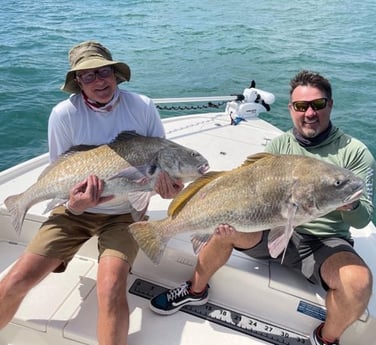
224, 230
86, 194
166, 187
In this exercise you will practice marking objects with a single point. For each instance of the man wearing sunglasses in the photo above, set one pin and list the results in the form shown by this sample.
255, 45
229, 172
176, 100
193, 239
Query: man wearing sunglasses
324, 251
95, 113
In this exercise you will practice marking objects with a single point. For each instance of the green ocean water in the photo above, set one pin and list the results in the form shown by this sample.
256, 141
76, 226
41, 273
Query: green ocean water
186, 48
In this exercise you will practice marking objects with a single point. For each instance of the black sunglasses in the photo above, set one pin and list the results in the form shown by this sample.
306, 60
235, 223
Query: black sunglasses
316, 104
90, 76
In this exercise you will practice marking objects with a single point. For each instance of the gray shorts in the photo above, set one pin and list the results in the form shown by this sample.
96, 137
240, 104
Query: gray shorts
305, 253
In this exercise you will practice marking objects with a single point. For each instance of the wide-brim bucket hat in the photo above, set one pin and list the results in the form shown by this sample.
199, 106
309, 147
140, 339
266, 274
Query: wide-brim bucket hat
88, 55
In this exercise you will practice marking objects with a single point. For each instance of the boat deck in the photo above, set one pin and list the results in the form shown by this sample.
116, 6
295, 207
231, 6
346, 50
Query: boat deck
251, 302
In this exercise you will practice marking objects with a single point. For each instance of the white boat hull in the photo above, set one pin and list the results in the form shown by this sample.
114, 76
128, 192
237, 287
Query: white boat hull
251, 302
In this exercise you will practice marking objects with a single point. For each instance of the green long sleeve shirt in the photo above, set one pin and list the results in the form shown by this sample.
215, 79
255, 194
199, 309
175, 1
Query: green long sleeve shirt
347, 152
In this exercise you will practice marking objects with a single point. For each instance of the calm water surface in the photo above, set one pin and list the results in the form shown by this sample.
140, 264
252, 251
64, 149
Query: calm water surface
179, 49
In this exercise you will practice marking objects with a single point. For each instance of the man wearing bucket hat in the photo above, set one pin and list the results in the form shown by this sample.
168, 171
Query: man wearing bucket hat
95, 113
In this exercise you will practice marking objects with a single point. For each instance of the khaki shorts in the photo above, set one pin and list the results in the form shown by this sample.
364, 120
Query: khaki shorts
63, 233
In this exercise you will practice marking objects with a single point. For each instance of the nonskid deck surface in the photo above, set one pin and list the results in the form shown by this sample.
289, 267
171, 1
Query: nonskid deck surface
226, 317
65, 305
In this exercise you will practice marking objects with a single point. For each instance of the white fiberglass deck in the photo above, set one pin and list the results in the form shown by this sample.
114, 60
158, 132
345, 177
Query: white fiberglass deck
269, 300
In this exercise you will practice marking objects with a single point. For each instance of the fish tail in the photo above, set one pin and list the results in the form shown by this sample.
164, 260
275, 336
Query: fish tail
16, 210
149, 238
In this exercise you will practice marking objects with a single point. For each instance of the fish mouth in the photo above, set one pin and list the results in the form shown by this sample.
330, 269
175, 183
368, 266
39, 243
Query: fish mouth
202, 169
354, 196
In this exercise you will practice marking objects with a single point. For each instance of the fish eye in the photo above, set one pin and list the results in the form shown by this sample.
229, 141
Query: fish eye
337, 183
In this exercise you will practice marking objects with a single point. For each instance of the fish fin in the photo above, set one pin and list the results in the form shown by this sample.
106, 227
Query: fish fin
277, 241
199, 241
150, 239
54, 203
256, 157
137, 215
125, 135
78, 148
140, 200
135, 174
17, 212
279, 237
187, 193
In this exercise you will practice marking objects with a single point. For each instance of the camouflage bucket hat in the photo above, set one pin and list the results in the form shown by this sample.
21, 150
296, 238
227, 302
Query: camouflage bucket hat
88, 55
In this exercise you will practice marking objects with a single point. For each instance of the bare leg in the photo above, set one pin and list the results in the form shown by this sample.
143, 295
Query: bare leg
28, 271
350, 287
113, 311
217, 251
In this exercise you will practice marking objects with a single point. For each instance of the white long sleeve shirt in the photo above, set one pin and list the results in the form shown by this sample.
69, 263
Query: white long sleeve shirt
72, 122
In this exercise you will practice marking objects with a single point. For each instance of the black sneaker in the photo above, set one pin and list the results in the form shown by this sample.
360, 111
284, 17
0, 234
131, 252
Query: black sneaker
316, 338
171, 301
